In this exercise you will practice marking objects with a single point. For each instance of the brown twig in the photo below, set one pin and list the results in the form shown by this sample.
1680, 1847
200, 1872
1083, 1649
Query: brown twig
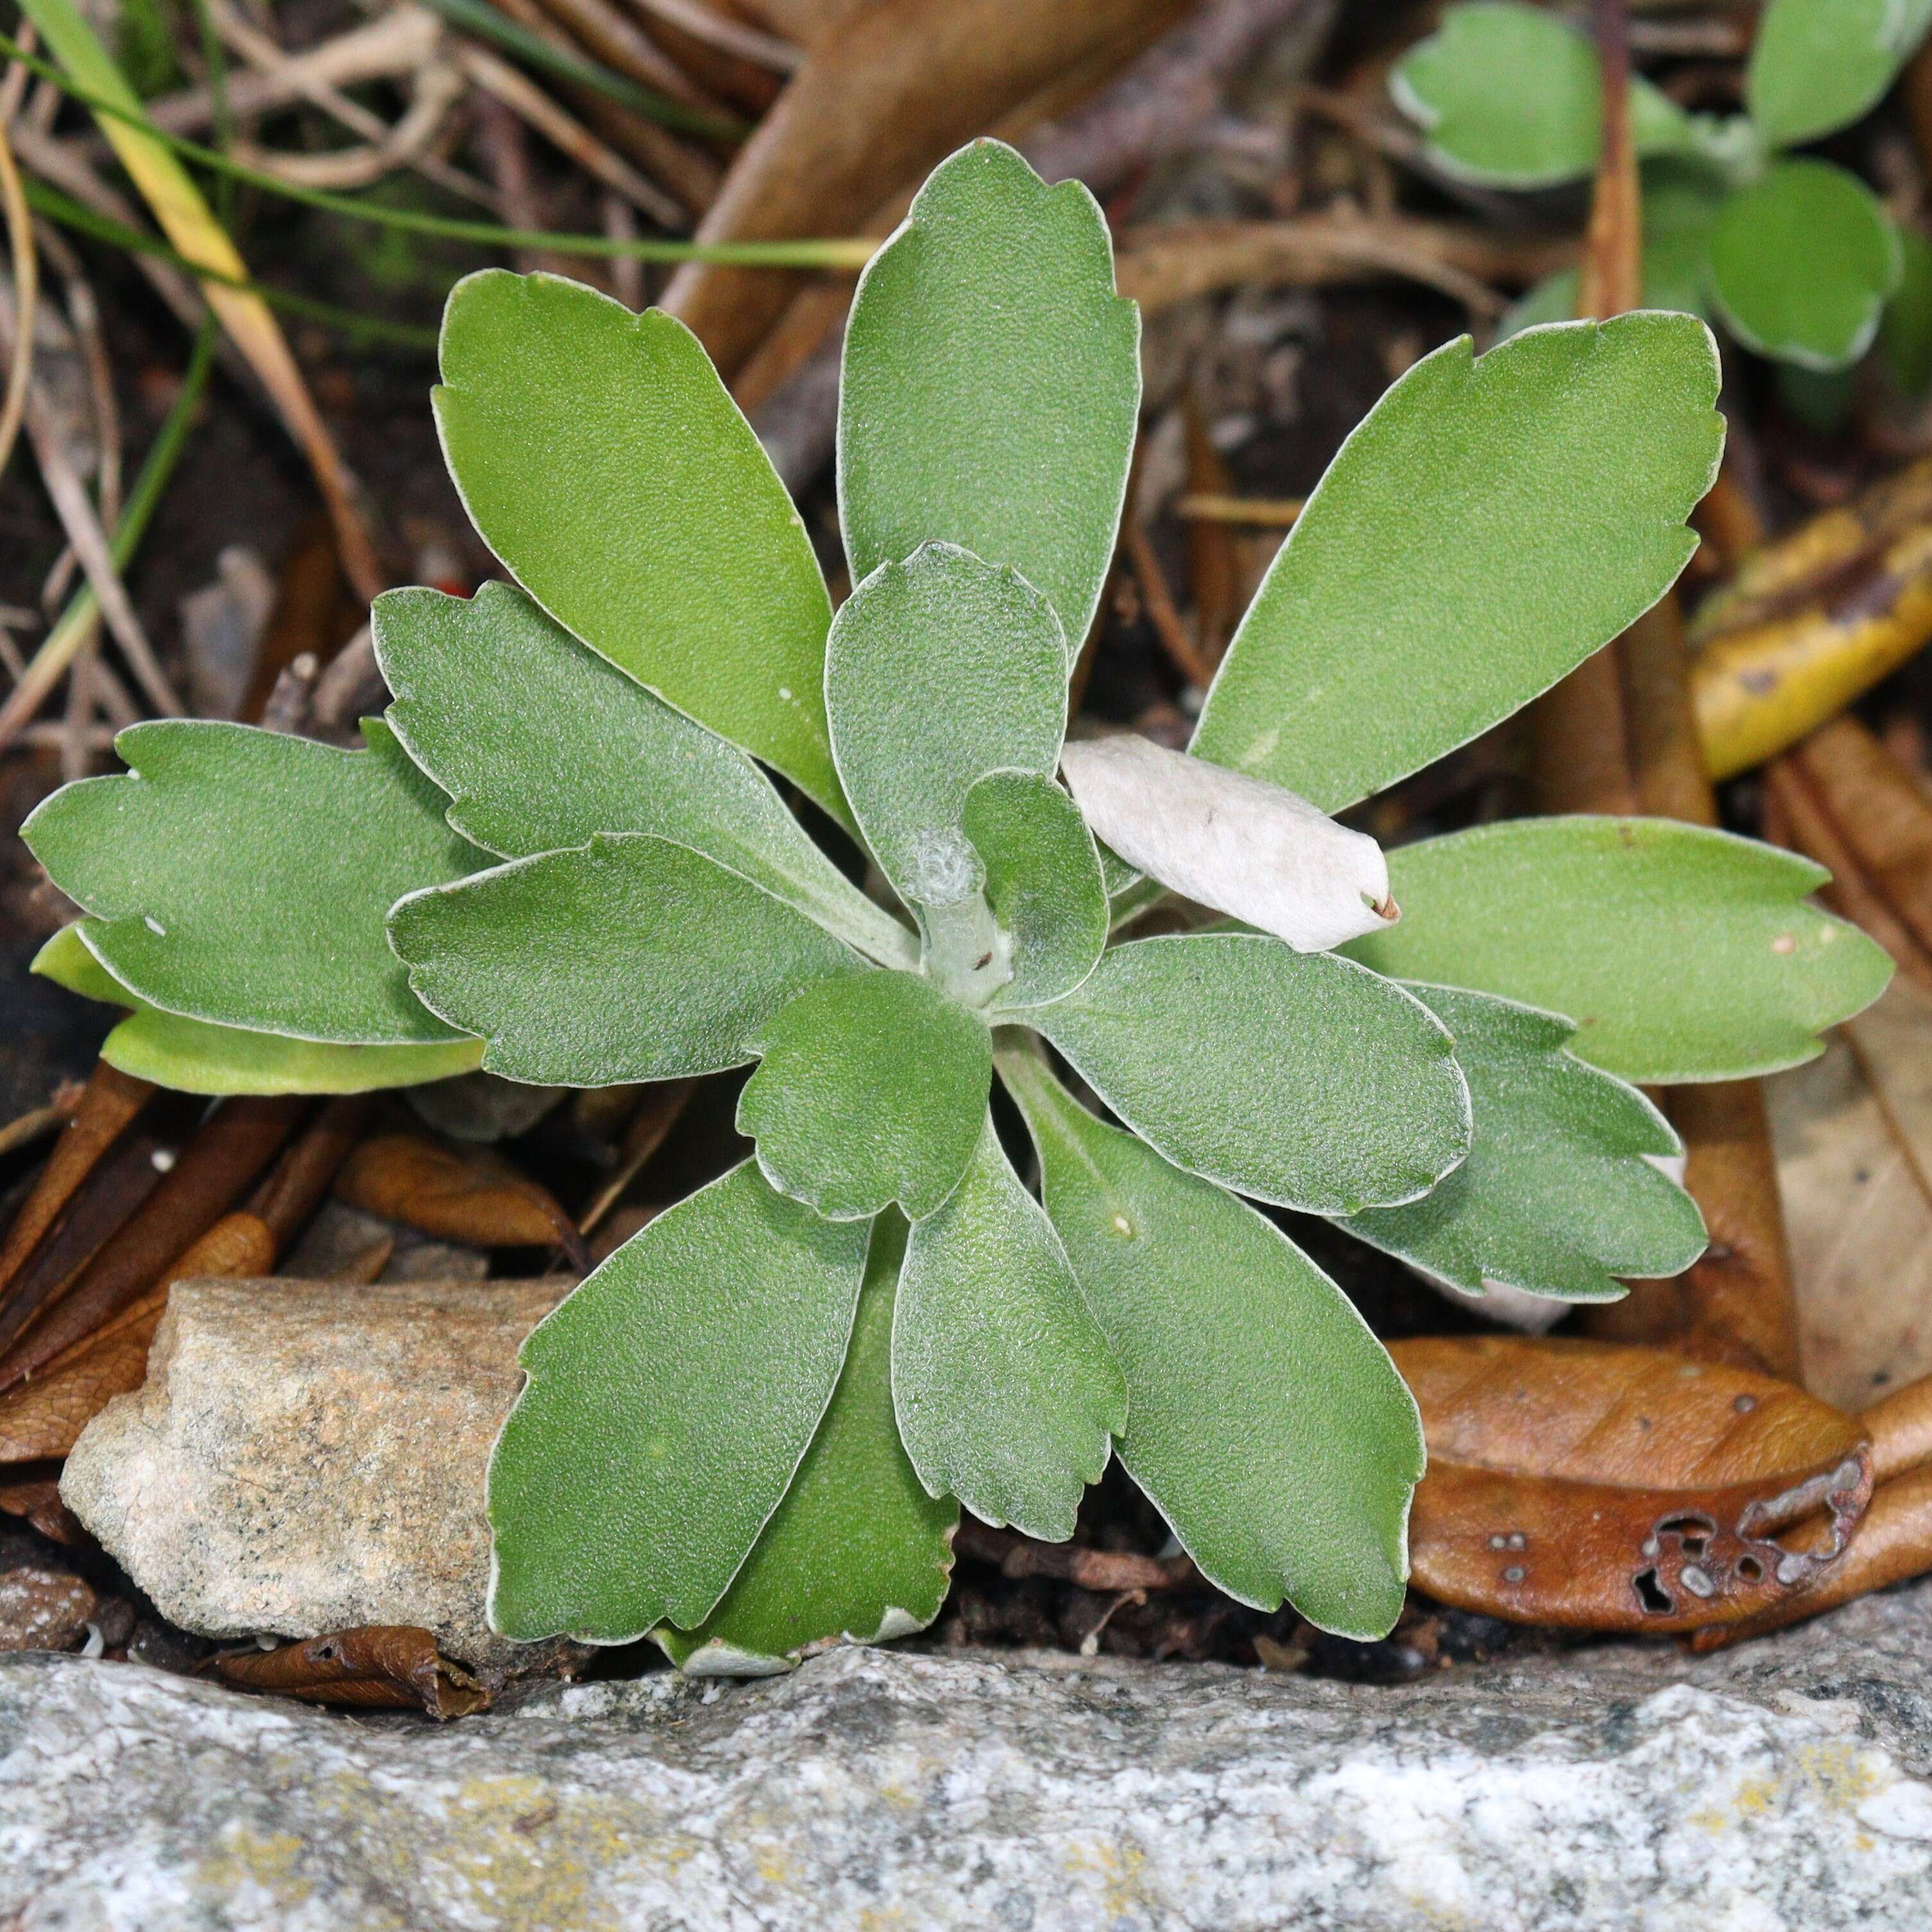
215, 1169
657, 1114
1101, 1571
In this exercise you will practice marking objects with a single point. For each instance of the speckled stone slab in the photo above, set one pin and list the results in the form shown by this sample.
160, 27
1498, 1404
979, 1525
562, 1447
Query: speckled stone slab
1787, 1784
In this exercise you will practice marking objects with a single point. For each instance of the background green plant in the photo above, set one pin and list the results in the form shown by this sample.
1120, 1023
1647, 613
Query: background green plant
1796, 257
751, 1429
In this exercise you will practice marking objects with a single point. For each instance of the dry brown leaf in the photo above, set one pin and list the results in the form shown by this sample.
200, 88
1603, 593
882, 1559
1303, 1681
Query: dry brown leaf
1607, 1488
870, 110
44, 1417
1843, 799
468, 1195
378, 1667
1853, 1131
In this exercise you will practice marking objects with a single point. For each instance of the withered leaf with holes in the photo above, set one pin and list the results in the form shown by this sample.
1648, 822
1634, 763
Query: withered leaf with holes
376, 1666
1610, 1488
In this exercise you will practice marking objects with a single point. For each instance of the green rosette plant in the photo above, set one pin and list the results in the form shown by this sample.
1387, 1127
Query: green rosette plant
561, 857
1794, 254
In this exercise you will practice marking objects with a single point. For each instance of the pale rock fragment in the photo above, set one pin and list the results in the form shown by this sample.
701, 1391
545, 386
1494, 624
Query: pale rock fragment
305, 1456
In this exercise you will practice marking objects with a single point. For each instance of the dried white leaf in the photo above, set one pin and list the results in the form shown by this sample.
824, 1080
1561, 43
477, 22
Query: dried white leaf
1248, 848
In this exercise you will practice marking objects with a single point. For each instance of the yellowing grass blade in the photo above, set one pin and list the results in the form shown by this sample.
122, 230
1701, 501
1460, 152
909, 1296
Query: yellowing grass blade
189, 223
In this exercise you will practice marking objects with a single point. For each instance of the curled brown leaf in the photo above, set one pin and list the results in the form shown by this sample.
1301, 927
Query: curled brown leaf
469, 1194
378, 1667
1603, 1487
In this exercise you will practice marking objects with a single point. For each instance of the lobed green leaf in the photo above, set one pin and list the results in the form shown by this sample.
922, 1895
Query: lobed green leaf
241, 877
541, 744
1295, 1077
1512, 96
197, 1057
670, 1401
1264, 1420
939, 670
1556, 1197
857, 1549
630, 959
1043, 882
1006, 1392
601, 459
1802, 263
870, 1091
991, 384
1682, 953
1491, 522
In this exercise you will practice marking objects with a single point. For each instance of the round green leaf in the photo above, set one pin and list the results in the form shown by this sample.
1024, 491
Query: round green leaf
992, 385
1511, 95
1265, 1421
1802, 263
601, 459
631, 959
242, 876
1819, 64
671, 1398
870, 1091
1682, 953
1293, 1077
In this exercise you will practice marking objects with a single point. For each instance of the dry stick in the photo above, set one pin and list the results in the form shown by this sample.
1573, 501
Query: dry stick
214, 1170
1618, 735
28, 1127
727, 35
294, 1187
524, 98
689, 173
403, 42
114, 1192
26, 293
499, 140
656, 1115
109, 1102
438, 88
1095, 1570
1169, 625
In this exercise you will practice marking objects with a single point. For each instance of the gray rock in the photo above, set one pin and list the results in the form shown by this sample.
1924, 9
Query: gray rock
1783, 1785
307, 1456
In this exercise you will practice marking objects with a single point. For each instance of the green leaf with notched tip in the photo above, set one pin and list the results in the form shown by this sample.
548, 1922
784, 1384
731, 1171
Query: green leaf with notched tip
1008, 1395
1494, 520
195, 1057
1682, 953
1043, 882
631, 959
669, 1399
857, 1549
1816, 65
241, 877
1512, 96
541, 743
601, 459
1265, 1421
1295, 1077
1802, 263
1556, 1197
870, 1091
940, 669
991, 383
